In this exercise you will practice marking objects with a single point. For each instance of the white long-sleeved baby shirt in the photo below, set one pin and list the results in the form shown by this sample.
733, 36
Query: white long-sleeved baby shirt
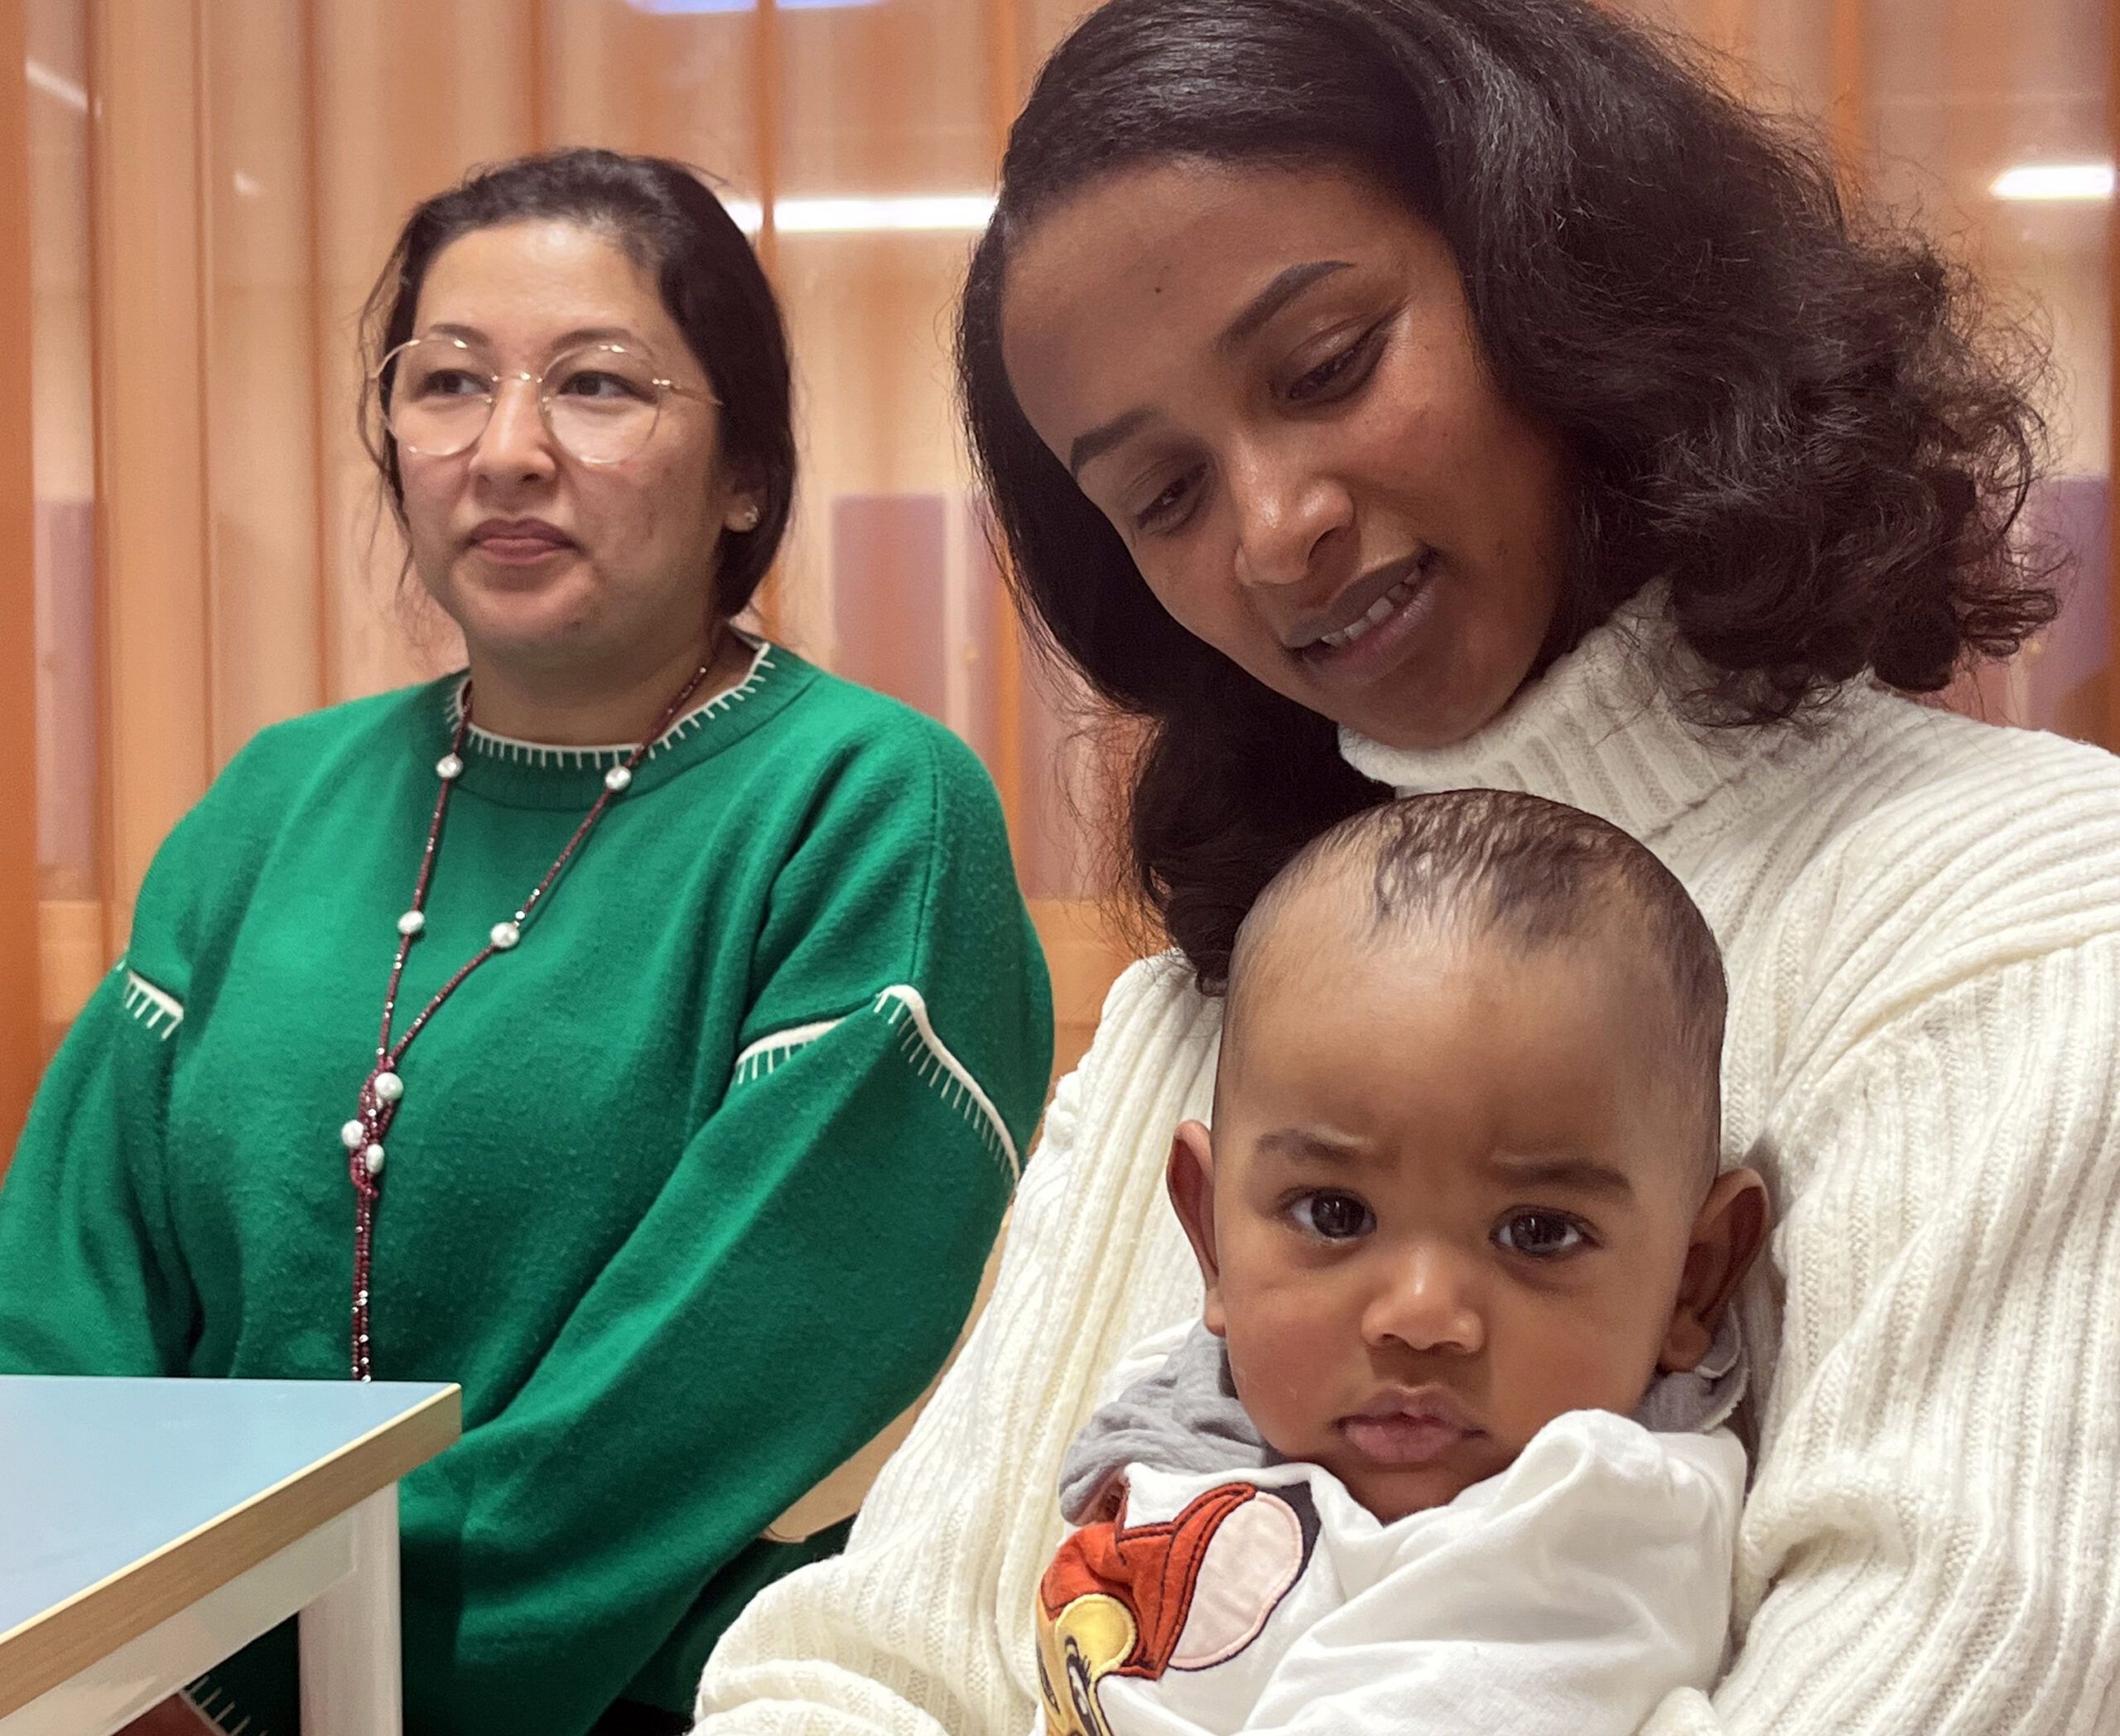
1565, 1597
1920, 919
1214, 1587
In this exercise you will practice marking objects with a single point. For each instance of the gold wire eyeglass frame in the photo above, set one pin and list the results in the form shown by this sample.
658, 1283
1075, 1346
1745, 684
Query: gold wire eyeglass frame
385, 403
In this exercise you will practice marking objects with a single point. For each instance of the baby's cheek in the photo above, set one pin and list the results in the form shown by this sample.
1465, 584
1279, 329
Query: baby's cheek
1565, 1368
1278, 1362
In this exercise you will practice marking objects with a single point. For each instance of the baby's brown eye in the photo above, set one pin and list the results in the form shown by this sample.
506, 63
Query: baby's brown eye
1334, 1217
1542, 1235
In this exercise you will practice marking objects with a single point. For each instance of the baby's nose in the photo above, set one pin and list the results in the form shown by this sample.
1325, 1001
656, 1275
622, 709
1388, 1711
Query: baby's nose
1430, 1302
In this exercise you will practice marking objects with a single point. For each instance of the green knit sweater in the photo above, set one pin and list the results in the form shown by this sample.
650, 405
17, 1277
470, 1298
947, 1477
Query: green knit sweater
691, 1191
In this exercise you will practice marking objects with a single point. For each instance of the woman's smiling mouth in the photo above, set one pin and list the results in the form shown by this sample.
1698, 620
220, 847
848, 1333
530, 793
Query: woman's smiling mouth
1379, 625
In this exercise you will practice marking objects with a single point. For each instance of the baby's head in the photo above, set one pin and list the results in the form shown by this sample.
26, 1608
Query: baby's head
1462, 1177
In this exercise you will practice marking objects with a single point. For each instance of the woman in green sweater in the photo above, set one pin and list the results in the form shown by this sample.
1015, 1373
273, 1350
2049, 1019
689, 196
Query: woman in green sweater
691, 1179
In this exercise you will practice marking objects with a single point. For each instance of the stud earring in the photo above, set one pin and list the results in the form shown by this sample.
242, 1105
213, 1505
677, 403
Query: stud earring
746, 518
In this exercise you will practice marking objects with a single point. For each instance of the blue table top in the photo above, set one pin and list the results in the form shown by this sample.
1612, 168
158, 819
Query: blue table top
96, 1473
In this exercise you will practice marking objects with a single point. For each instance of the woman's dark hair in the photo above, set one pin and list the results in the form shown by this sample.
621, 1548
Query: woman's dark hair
1797, 422
669, 223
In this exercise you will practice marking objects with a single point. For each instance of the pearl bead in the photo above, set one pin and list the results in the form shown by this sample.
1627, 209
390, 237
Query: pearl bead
353, 1133
371, 1159
505, 935
617, 779
388, 1088
448, 767
412, 922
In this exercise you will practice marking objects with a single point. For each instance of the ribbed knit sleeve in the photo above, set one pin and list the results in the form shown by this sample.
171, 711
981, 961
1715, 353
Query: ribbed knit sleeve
923, 1623
1932, 1541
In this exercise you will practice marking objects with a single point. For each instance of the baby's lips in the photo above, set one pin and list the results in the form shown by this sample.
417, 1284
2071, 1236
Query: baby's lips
1409, 1430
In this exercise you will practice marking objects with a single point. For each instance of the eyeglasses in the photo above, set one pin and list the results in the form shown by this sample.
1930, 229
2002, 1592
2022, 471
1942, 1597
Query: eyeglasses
600, 402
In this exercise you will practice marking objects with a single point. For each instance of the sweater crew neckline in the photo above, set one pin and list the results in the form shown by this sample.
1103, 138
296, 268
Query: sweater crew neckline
539, 775
1604, 730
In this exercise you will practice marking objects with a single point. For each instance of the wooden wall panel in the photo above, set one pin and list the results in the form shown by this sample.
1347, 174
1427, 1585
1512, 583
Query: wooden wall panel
20, 1000
253, 158
150, 320
887, 582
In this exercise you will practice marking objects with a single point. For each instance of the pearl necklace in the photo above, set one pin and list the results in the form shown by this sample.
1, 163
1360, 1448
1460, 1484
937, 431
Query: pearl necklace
384, 1089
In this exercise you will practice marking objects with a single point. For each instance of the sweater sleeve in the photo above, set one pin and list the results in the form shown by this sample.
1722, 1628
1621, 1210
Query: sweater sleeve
923, 1624
1932, 1542
93, 1280
796, 1282
90, 1280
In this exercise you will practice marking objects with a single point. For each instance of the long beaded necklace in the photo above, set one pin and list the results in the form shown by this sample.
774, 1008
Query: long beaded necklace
383, 1089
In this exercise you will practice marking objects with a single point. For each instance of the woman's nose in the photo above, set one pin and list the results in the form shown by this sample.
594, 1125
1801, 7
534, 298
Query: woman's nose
1287, 512
516, 442
1428, 1301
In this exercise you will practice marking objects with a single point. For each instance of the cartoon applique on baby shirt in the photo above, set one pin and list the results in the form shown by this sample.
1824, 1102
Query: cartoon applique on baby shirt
1189, 1593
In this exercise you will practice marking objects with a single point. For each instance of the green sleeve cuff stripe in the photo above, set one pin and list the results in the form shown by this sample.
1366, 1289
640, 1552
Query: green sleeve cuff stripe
902, 1007
159, 1010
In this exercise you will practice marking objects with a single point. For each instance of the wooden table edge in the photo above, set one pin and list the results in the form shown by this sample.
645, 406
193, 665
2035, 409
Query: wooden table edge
50, 1648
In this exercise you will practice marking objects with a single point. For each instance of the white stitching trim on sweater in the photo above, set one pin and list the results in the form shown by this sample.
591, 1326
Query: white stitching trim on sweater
227, 1709
902, 1003
159, 1010
600, 759
767, 1053
904, 1009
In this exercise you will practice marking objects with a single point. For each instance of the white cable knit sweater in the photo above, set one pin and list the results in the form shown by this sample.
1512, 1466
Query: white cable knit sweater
1920, 917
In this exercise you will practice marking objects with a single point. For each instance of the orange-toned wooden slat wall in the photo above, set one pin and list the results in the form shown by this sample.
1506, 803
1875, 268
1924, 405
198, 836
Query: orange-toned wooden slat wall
1005, 38
152, 490
1848, 123
233, 595
19, 993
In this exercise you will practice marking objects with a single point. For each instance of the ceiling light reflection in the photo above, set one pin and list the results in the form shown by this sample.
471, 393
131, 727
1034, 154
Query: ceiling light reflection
914, 213
2054, 182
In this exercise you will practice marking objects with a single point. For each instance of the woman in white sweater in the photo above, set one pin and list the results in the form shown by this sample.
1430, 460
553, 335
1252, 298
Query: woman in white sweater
1427, 393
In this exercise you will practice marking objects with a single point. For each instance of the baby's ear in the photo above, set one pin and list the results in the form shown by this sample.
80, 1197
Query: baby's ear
1190, 1177
1727, 1233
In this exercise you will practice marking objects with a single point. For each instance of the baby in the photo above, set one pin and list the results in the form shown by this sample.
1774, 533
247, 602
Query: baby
1445, 1451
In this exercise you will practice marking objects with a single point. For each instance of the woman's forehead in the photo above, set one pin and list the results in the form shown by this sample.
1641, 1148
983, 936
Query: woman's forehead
541, 286
1170, 262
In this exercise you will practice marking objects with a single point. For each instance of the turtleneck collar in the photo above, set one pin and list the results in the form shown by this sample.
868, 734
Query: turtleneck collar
1602, 730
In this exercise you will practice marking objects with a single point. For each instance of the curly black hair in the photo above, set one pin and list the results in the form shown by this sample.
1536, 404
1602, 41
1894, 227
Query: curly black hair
670, 223
1804, 424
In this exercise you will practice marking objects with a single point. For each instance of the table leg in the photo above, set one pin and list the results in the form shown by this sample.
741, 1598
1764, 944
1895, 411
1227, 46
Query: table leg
350, 1657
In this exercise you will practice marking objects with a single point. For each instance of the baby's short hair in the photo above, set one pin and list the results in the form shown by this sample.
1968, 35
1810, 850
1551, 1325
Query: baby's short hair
1535, 873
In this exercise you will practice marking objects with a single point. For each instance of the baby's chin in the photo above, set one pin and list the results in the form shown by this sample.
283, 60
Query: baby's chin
1411, 1483
1391, 1494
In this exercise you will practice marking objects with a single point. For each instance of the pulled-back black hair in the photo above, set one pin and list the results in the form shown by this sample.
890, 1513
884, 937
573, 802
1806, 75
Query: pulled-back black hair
1798, 422
1535, 874
711, 285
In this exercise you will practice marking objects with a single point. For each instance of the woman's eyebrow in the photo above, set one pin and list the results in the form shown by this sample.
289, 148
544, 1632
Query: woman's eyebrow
1104, 436
1285, 287
565, 340
1276, 295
